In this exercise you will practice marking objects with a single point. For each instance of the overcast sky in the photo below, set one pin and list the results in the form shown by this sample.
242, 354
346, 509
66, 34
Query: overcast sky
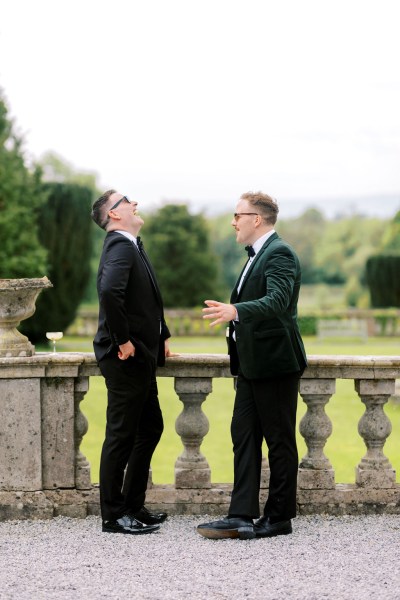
203, 100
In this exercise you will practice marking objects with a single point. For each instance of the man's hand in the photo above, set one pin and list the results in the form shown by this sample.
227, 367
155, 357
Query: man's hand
167, 350
126, 350
222, 313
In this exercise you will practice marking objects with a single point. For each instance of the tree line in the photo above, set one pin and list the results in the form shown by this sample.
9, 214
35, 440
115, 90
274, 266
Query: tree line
45, 229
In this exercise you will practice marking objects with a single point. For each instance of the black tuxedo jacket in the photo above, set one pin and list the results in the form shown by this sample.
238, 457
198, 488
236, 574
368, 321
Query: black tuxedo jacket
268, 341
130, 301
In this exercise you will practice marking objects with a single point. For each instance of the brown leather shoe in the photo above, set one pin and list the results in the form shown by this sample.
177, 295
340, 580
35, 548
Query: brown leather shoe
228, 527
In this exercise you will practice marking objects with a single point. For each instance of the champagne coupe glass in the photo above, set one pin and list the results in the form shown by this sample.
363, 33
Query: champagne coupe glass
54, 336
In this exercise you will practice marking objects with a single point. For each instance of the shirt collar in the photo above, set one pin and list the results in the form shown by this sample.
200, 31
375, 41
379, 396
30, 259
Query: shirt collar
258, 244
127, 235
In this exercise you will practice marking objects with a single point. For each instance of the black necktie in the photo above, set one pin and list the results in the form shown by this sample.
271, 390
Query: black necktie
139, 245
250, 251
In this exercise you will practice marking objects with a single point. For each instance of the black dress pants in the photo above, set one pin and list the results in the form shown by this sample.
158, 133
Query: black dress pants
265, 408
133, 430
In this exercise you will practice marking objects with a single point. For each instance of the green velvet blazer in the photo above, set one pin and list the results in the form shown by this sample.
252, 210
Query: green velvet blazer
268, 341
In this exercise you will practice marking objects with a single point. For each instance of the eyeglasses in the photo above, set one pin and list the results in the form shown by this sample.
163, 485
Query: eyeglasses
119, 202
237, 215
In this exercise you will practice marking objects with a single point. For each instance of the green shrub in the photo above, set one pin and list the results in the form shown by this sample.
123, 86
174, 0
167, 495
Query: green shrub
308, 324
383, 279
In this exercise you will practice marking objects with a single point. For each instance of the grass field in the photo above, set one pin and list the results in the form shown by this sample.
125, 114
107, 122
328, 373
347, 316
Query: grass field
344, 448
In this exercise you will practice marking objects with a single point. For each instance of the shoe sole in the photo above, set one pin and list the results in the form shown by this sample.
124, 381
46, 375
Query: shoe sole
264, 535
243, 533
246, 533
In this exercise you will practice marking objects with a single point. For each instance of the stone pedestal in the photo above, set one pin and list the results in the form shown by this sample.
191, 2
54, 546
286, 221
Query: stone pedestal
17, 302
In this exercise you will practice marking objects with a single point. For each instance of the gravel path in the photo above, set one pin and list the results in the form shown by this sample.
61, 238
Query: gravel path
340, 558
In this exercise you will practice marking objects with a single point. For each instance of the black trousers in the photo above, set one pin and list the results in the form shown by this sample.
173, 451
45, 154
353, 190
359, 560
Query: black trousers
133, 430
265, 408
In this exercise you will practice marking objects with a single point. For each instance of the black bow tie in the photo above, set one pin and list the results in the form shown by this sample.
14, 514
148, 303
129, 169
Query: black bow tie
250, 251
139, 243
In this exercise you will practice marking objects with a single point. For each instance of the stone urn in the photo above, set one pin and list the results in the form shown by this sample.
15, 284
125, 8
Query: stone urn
17, 302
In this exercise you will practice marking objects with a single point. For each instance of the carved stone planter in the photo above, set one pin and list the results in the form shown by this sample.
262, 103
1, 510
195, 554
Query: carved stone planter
17, 302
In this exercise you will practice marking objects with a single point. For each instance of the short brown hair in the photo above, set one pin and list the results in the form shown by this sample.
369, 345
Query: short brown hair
267, 206
98, 213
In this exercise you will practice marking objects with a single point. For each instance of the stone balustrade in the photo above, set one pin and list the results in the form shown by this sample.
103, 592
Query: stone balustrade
43, 472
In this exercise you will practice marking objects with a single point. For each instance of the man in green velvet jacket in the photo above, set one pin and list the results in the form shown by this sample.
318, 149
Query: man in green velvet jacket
267, 355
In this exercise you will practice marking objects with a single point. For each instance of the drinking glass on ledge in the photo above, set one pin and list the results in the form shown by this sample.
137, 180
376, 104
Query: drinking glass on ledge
54, 336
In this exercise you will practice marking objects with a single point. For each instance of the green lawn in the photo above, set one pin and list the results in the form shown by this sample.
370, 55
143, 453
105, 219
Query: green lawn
344, 448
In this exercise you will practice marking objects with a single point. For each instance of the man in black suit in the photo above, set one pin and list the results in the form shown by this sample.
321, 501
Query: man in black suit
131, 340
268, 357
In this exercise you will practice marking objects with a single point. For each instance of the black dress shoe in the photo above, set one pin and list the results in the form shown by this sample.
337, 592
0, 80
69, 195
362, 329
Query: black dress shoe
145, 516
128, 524
264, 528
228, 527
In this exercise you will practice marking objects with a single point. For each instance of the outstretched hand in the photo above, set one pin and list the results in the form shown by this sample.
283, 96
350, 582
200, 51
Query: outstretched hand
222, 313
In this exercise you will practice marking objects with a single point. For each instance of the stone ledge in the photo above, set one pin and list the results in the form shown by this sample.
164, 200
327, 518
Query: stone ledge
344, 499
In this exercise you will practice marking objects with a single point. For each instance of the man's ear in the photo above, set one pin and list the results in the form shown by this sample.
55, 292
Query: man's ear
114, 215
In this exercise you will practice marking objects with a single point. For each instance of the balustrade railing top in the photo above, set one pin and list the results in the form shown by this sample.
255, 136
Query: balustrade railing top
340, 366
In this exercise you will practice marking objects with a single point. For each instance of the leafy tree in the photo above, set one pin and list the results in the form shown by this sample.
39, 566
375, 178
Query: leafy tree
345, 246
21, 196
305, 233
65, 230
178, 244
391, 239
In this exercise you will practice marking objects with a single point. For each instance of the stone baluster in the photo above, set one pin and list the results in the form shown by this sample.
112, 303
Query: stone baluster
82, 466
375, 470
315, 470
191, 468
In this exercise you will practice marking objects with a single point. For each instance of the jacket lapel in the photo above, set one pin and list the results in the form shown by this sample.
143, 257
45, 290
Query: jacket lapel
274, 236
234, 294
